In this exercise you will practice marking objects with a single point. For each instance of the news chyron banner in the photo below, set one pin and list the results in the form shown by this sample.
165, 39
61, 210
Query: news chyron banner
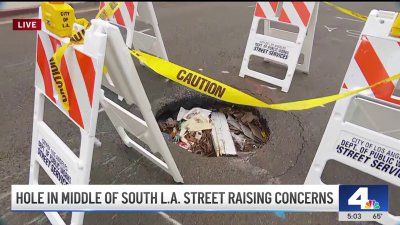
353, 202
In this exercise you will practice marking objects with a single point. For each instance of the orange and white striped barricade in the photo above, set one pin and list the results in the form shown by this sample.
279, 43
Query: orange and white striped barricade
80, 87
127, 84
363, 131
282, 47
127, 15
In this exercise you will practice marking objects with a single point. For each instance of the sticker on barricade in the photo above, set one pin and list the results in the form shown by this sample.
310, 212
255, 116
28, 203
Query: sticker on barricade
369, 154
269, 48
55, 162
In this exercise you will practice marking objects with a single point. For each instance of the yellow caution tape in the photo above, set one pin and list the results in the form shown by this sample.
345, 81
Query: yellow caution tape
77, 37
55, 61
58, 78
395, 31
348, 12
221, 91
204, 84
108, 10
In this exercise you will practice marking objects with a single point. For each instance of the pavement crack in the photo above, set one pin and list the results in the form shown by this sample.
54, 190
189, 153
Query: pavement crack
302, 149
131, 166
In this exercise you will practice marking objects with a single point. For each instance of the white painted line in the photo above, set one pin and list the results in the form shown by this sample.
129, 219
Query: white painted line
38, 219
109, 160
200, 69
80, 11
341, 18
5, 195
142, 31
330, 29
224, 71
170, 219
251, 6
272, 88
323, 106
353, 36
353, 33
17, 64
5, 22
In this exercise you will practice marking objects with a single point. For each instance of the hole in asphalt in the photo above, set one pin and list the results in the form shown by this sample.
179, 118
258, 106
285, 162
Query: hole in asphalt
212, 127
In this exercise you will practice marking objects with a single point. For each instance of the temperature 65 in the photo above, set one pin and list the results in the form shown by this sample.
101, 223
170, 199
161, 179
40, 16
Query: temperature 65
377, 216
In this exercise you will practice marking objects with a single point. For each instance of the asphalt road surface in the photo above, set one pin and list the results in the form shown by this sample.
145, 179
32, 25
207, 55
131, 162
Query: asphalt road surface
209, 37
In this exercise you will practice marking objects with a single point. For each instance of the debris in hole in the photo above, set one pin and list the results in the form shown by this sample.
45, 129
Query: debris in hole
216, 132
221, 136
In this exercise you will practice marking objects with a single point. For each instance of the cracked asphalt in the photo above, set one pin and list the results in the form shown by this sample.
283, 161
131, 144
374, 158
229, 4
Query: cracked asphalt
209, 37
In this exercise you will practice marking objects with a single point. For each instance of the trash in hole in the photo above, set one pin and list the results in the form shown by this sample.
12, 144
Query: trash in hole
216, 132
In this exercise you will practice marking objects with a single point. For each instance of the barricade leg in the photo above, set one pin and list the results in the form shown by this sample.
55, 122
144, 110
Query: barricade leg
306, 50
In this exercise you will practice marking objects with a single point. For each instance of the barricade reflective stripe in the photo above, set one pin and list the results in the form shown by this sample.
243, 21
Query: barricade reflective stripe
125, 15
78, 80
41, 60
372, 67
296, 13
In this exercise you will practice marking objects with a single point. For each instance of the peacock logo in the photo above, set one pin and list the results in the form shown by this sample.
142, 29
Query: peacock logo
372, 204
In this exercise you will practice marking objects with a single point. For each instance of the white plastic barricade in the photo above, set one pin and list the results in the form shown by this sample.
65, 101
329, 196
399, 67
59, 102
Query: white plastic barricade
281, 46
127, 84
127, 15
79, 84
363, 131
81, 68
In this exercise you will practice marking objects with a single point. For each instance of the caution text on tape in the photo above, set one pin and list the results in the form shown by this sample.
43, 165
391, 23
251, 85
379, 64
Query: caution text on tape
221, 91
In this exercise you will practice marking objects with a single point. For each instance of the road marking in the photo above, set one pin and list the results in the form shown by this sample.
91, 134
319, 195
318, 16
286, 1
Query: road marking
80, 11
353, 36
142, 31
224, 71
40, 218
200, 69
251, 6
17, 64
353, 33
5, 22
330, 29
5, 195
170, 219
109, 160
272, 88
341, 18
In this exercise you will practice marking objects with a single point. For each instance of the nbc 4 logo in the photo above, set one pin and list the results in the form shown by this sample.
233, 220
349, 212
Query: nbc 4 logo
360, 197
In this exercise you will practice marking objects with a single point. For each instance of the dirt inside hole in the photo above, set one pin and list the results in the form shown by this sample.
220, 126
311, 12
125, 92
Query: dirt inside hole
212, 128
